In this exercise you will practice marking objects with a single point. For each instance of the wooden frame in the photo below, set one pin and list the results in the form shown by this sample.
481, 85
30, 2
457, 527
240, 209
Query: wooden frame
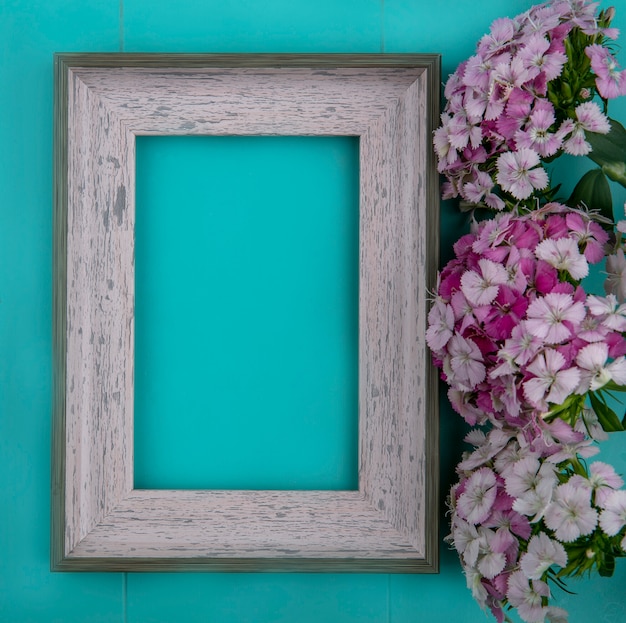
99, 521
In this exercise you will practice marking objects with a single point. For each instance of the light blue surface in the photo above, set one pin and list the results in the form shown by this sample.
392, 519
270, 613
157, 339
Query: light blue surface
247, 271
30, 31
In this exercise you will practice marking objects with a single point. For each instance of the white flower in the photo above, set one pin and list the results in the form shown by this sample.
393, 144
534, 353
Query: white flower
590, 118
485, 449
507, 459
520, 172
555, 615
589, 424
613, 517
603, 480
547, 317
440, 325
563, 254
591, 361
532, 485
491, 560
466, 540
475, 503
570, 514
474, 583
482, 289
466, 363
616, 275
543, 552
550, 383
607, 308
527, 596
566, 451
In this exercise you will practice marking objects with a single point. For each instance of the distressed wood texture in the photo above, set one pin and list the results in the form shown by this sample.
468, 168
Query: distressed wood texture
99, 522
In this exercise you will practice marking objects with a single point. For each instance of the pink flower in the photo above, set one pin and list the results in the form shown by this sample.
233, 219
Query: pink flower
609, 80
536, 54
474, 504
537, 135
608, 310
479, 189
520, 173
590, 236
554, 317
589, 118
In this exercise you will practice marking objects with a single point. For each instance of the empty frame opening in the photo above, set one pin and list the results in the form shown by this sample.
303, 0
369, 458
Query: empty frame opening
246, 318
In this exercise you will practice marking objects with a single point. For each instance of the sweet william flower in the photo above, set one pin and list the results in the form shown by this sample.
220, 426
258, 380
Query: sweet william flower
603, 481
520, 173
589, 118
537, 135
521, 348
554, 317
563, 254
543, 552
570, 514
481, 287
527, 596
538, 55
615, 282
613, 517
609, 80
440, 325
474, 504
466, 362
592, 362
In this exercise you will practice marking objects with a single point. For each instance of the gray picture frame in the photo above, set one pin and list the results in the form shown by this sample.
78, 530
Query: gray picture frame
99, 521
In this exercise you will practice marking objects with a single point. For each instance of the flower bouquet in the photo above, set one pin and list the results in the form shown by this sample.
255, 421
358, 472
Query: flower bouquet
533, 361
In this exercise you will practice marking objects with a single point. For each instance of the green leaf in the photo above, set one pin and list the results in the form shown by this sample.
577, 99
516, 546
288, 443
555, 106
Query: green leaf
593, 191
612, 386
607, 567
606, 416
609, 151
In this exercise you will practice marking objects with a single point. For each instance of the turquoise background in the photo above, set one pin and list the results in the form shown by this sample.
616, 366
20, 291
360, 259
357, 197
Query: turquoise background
246, 261
30, 31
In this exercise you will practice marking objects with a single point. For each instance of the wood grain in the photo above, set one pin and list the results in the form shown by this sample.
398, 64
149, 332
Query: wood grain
98, 520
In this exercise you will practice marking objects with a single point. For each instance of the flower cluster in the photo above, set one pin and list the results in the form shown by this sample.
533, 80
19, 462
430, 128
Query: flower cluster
528, 353
528, 512
518, 339
524, 98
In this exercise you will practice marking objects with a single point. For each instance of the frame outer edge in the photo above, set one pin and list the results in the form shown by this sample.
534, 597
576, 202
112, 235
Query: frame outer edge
59, 297
63, 62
